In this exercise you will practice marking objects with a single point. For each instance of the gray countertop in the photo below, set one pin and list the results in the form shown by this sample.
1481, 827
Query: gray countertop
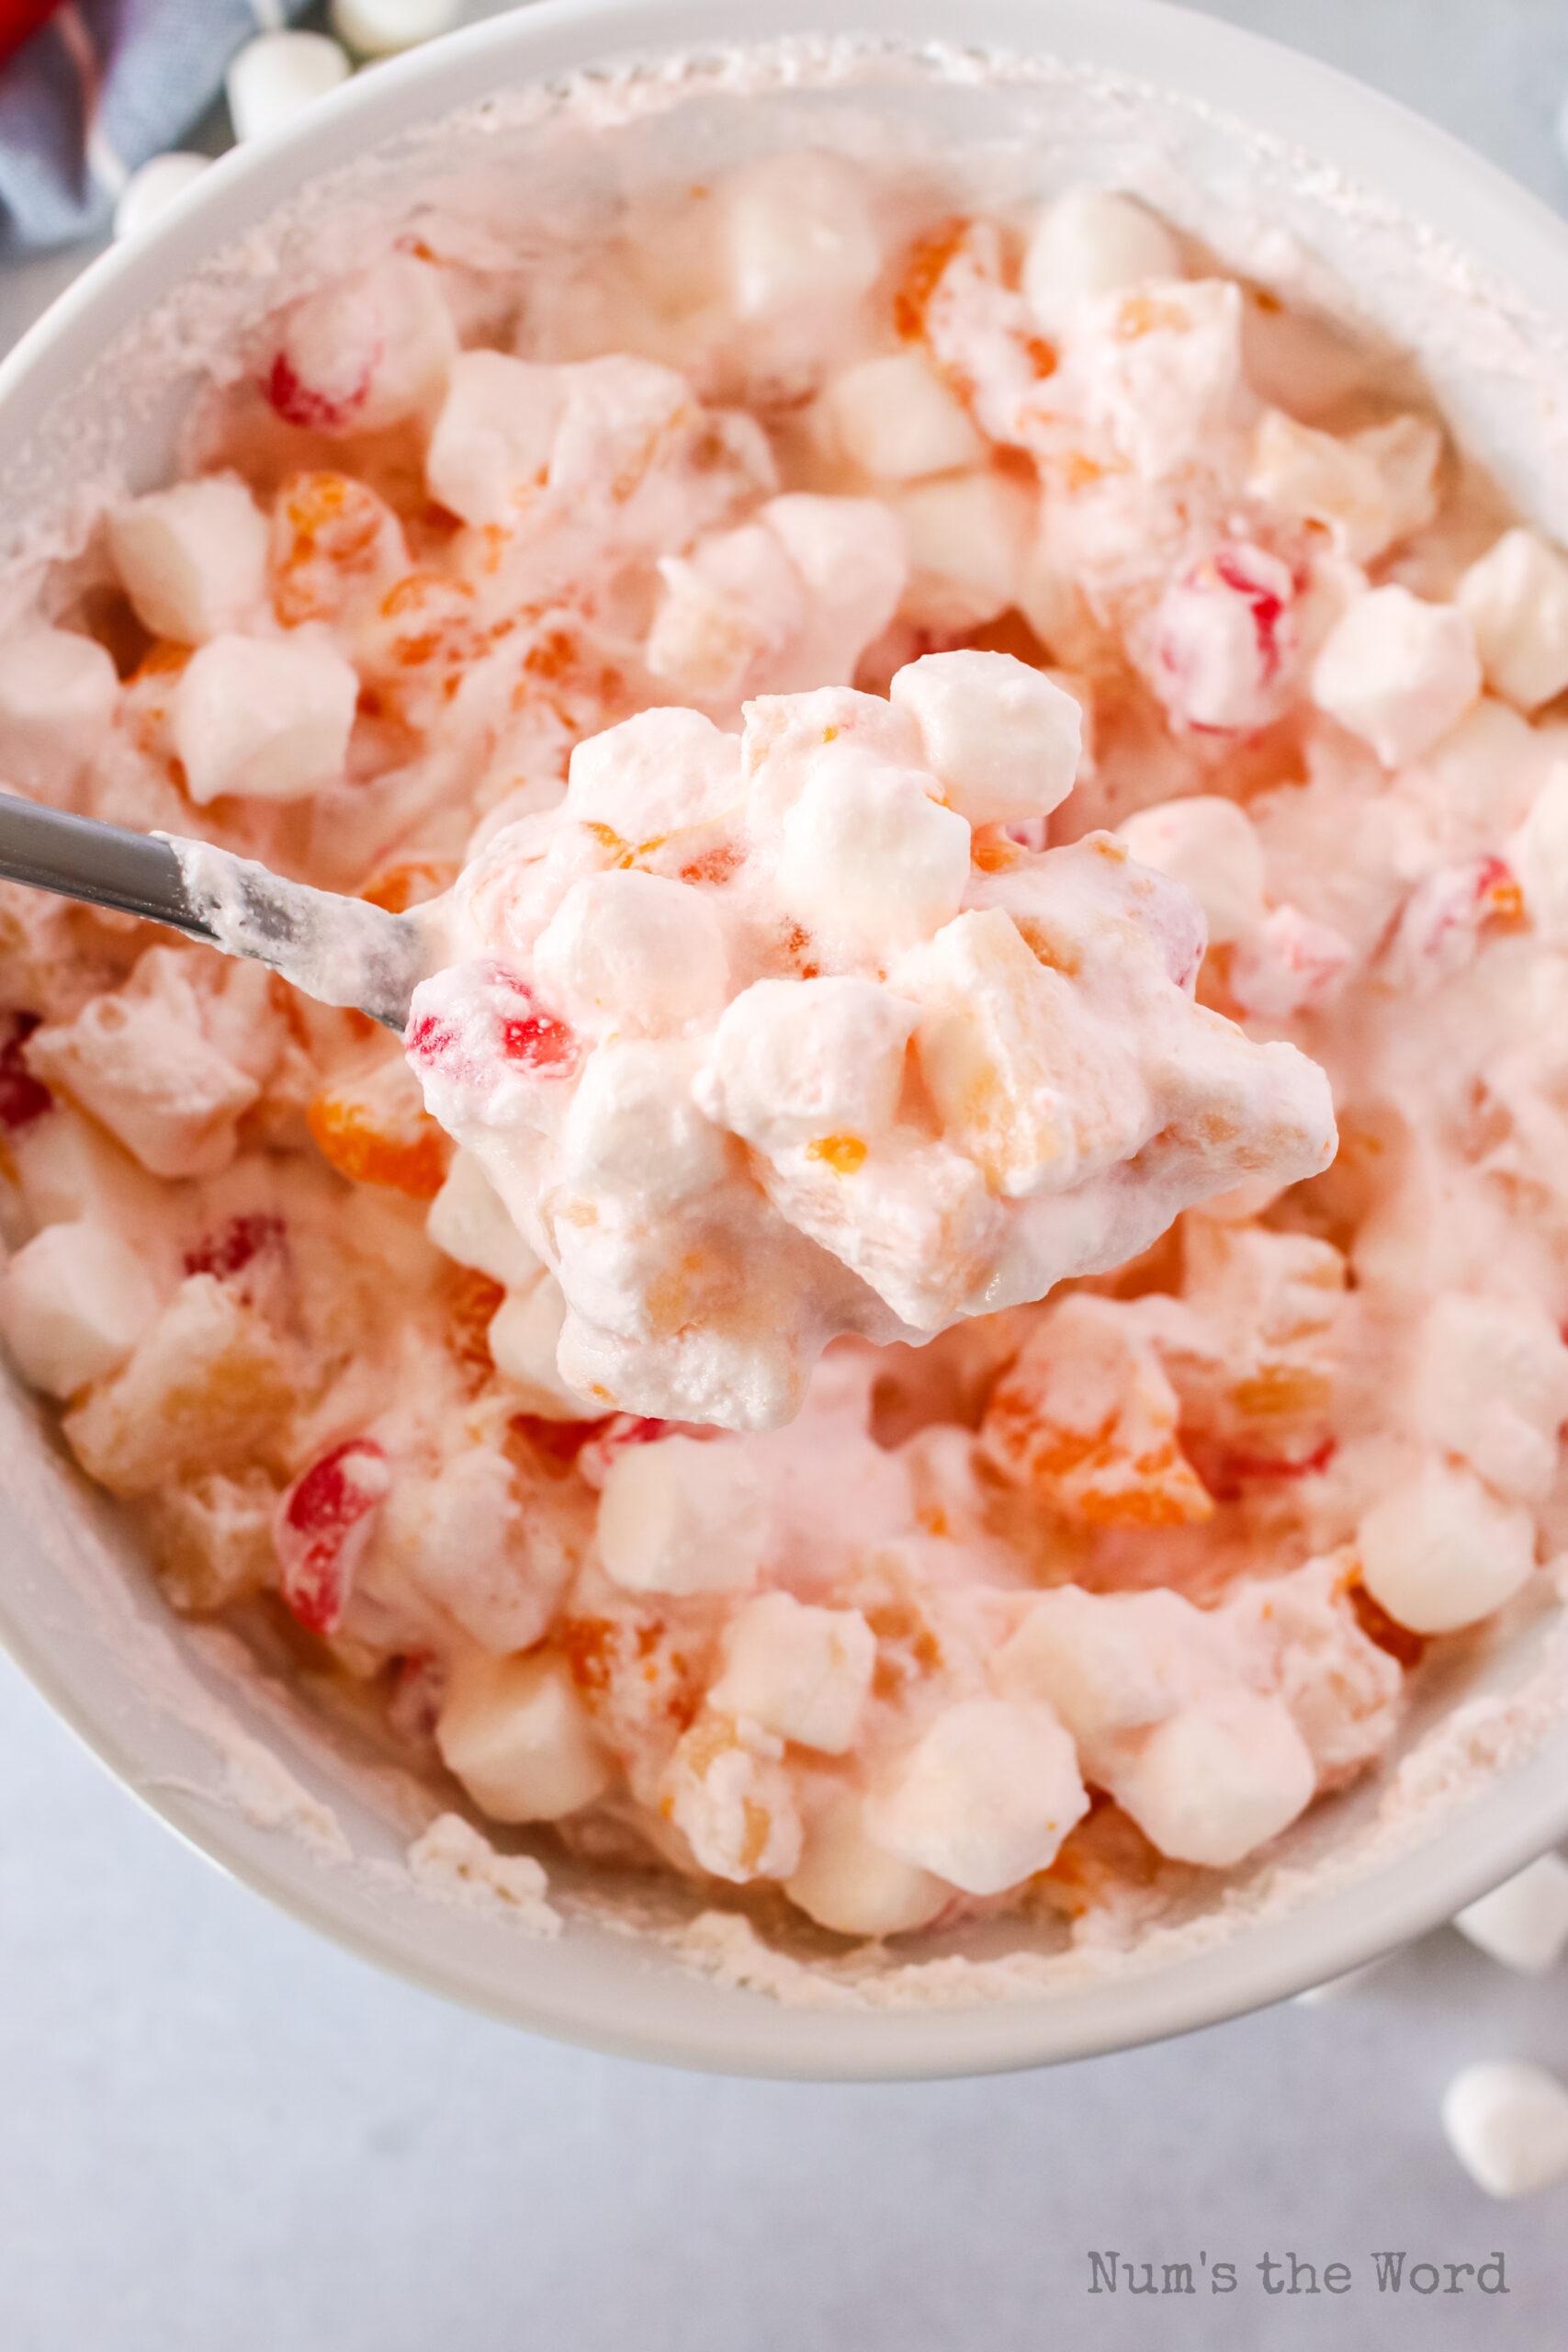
217, 2134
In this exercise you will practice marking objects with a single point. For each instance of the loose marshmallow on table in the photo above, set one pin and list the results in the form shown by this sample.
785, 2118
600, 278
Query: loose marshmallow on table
1398, 672
382, 28
820, 910
274, 78
1524, 1922
58, 694
1442, 1551
1507, 2123
1516, 599
73, 1303
266, 719
193, 558
154, 187
517, 1735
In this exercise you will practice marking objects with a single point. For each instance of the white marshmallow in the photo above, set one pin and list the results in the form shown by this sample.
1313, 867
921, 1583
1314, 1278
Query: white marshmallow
793, 1061
517, 1735
192, 559
725, 612
1538, 857
631, 950
851, 556
73, 1303
796, 230
846, 1882
523, 1337
1524, 1922
1491, 1385
1440, 1551
1397, 671
682, 1516
633, 1125
1210, 847
1090, 240
967, 535
276, 76
263, 718
896, 419
68, 1167
1484, 773
1516, 600
725, 1789
985, 1798
869, 856
383, 28
990, 1054
1215, 1780
803, 1673
1003, 740
1507, 2123
470, 1222
490, 452
58, 695
654, 774
152, 187
1106, 1662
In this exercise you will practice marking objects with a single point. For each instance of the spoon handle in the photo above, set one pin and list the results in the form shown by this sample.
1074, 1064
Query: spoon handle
138, 874
340, 950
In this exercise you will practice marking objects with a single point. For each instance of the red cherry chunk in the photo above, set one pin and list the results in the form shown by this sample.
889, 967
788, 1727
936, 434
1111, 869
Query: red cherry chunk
23, 1097
324, 1524
231, 1247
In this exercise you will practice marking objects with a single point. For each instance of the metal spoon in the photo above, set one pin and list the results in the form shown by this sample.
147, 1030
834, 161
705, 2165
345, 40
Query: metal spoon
340, 950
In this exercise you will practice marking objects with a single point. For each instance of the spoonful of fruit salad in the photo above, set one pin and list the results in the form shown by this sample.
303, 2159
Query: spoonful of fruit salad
756, 1040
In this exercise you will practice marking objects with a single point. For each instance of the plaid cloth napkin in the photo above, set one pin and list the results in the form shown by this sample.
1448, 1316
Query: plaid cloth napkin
96, 89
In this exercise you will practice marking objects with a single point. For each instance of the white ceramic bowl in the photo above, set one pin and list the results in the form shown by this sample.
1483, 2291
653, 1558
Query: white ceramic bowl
1287, 168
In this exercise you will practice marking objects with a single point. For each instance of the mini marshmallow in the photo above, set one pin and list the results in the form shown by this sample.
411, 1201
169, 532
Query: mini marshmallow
1366, 490
985, 1798
633, 1124
1106, 1662
490, 452
58, 696
152, 187
1003, 740
682, 1516
523, 1337
1516, 598
1089, 241
1524, 1922
895, 418
276, 76
1440, 1551
845, 1882
1210, 847
796, 230
634, 950
851, 556
517, 1735
653, 774
1491, 1385
727, 614
869, 856
803, 1673
1483, 773
263, 718
793, 1061
989, 1054
469, 1221
1507, 2123
73, 1303
68, 1167
1215, 1780
192, 559
385, 28
967, 536
1397, 671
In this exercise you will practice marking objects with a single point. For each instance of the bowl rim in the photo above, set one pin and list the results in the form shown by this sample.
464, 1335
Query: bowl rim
1270, 87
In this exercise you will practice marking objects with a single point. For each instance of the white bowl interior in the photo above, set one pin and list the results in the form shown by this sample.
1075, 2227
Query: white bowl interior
95, 395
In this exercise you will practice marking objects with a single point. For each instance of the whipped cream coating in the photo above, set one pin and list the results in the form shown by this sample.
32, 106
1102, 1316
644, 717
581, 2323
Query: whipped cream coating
1080, 1601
